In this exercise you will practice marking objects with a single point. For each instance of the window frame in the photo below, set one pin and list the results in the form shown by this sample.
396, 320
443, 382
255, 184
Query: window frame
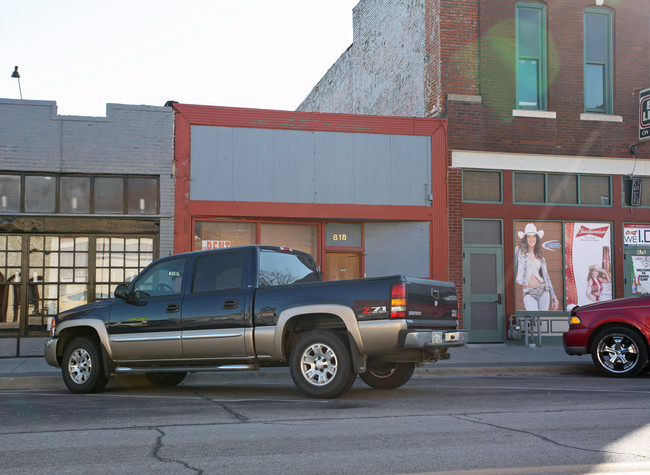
608, 86
474, 170
546, 190
542, 83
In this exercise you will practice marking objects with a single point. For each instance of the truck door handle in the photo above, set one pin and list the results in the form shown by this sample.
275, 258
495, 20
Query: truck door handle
230, 304
173, 308
499, 299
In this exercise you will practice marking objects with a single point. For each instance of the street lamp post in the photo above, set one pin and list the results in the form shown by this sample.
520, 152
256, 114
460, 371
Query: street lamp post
16, 75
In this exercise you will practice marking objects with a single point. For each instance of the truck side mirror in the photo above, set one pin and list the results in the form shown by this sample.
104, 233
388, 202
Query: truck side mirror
121, 291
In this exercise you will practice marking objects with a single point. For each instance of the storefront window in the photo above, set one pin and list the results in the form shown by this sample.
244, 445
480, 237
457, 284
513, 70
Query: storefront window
561, 265
481, 186
296, 236
119, 260
538, 261
75, 195
594, 190
588, 257
215, 235
562, 189
529, 188
10, 264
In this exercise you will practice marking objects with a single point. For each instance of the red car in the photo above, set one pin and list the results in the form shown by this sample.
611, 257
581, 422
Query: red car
615, 332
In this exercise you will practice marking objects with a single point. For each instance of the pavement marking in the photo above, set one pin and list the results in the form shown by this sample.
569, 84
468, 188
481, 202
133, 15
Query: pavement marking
610, 468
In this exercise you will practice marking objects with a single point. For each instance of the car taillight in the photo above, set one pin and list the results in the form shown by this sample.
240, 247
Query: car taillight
398, 300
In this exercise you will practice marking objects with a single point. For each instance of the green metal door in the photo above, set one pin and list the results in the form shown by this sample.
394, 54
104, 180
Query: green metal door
483, 303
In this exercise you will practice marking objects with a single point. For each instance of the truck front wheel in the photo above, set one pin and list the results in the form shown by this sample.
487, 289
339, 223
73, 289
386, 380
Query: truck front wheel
382, 375
321, 365
82, 367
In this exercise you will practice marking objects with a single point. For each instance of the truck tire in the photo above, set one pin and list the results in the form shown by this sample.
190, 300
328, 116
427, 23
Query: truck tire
321, 365
82, 368
383, 375
619, 352
166, 379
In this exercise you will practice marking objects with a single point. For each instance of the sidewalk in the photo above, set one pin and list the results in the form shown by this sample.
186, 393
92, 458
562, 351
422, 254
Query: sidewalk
474, 359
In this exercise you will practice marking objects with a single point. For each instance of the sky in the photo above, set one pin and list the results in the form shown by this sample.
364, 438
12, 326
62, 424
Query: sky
83, 54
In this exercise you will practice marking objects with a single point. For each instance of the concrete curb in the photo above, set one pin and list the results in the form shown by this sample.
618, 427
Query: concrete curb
281, 375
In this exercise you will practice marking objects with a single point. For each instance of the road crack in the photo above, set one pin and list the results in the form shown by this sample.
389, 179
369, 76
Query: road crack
475, 420
160, 445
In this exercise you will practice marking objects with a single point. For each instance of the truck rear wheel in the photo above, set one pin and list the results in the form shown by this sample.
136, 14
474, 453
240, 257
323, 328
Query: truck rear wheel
383, 375
321, 365
82, 367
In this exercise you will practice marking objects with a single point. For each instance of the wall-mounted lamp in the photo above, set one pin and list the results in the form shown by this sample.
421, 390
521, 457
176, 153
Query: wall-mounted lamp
600, 2
16, 75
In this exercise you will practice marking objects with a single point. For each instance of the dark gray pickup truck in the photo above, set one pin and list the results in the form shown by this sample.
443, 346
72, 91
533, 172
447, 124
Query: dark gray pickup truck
248, 307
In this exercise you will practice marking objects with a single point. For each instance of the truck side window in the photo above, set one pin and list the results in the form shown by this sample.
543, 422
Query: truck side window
218, 271
280, 268
164, 278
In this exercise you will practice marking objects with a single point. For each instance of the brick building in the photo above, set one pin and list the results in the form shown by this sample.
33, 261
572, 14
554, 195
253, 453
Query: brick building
85, 203
542, 103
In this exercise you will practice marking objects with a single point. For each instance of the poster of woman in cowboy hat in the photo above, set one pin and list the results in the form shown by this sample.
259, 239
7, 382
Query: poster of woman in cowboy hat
533, 278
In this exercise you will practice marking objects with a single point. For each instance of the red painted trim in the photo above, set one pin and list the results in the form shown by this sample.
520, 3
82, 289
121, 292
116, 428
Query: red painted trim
439, 240
188, 115
252, 210
316, 121
182, 223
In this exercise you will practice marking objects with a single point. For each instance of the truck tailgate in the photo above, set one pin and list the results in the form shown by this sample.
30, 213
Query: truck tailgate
431, 304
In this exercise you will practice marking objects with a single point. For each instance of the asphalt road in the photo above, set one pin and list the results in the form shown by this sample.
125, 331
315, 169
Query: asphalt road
580, 423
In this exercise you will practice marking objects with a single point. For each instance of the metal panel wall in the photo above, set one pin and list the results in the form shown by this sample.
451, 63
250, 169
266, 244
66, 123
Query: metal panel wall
397, 248
287, 166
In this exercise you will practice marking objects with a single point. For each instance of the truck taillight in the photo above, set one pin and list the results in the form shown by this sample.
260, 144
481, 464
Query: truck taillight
398, 300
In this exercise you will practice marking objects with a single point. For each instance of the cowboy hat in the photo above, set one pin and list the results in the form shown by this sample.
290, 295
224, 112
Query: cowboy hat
529, 230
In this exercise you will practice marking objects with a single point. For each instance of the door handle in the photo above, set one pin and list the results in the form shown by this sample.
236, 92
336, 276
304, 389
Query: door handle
230, 304
173, 308
499, 299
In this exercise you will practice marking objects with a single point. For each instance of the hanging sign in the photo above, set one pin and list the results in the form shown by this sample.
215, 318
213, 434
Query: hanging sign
644, 115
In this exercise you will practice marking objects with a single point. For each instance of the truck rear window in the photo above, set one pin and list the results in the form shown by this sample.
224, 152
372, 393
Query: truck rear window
284, 268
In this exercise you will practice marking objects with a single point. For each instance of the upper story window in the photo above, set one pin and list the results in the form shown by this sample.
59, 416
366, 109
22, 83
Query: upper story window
598, 61
531, 56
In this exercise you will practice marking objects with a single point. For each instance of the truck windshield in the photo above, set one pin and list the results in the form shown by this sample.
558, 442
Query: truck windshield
284, 268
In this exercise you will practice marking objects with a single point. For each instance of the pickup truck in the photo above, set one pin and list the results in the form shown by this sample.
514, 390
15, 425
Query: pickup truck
243, 308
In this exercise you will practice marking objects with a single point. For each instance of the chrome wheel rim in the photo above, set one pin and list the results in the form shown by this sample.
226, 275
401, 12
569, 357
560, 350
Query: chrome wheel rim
618, 353
319, 364
80, 365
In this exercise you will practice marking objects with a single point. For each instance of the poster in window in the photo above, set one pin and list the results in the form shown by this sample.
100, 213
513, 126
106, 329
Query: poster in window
538, 257
640, 275
587, 248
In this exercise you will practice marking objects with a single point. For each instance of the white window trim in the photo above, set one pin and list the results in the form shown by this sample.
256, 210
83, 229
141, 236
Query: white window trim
601, 117
534, 113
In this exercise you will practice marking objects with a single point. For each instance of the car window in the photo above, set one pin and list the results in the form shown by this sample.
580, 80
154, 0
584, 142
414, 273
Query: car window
283, 268
218, 271
164, 278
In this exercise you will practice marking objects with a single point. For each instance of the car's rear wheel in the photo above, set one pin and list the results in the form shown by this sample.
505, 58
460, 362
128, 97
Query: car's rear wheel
166, 379
619, 352
82, 366
321, 365
387, 375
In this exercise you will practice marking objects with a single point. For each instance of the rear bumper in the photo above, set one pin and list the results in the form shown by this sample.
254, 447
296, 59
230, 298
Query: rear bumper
423, 339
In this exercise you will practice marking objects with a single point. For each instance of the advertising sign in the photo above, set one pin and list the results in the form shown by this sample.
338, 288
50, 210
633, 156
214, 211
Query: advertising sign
640, 275
588, 259
538, 257
214, 244
644, 115
636, 235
